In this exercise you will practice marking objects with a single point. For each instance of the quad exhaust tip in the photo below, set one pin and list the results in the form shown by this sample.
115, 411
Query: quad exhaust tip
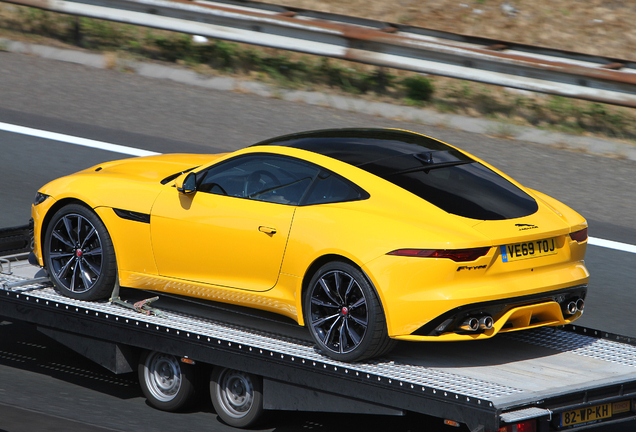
486, 322
580, 305
574, 306
472, 324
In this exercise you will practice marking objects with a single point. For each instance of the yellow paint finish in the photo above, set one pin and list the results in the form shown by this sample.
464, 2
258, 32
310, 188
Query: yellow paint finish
217, 239
517, 318
276, 300
531, 316
129, 184
258, 254
38, 213
126, 233
416, 290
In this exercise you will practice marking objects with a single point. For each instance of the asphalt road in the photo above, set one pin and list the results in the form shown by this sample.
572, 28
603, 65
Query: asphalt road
167, 117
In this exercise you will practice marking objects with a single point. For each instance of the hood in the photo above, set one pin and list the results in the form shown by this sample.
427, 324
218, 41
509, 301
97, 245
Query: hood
128, 184
151, 168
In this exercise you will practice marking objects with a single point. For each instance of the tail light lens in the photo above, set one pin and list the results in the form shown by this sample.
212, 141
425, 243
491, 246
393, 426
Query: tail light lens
580, 235
457, 255
526, 426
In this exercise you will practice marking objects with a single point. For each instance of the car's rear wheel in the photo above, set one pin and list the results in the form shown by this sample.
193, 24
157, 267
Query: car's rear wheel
344, 315
167, 383
237, 396
79, 254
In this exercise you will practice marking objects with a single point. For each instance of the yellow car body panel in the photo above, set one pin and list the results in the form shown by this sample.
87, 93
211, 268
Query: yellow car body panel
259, 254
429, 287
244, 239
132, 183
518, 318
279, 300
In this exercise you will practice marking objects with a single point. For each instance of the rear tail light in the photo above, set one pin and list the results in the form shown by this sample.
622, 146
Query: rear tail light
526, 426
580, 235
457, 255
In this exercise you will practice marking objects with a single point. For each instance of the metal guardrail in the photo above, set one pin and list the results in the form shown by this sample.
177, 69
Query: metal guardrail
526, 67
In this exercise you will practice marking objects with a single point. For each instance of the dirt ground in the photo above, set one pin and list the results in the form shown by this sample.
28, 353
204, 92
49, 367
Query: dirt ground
601, 27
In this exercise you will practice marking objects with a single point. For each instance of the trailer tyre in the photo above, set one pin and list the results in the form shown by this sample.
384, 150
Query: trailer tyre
167, 383
237, 396
79, 254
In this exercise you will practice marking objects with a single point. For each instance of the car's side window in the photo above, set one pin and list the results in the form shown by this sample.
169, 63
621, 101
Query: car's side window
330, 188
260, 177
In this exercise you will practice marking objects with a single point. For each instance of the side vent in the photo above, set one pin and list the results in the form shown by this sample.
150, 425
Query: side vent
133, 216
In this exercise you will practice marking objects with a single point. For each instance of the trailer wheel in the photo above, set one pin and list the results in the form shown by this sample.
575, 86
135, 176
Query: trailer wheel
167, 383
344, 315
237, 396
79, 254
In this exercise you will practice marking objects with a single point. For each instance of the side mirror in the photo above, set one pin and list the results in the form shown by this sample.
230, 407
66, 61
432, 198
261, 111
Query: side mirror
186, 184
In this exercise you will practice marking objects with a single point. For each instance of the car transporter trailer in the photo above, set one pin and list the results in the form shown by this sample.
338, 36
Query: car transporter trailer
545, 379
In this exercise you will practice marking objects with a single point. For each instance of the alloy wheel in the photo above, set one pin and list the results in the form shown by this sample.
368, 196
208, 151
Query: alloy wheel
75, 251
339, 312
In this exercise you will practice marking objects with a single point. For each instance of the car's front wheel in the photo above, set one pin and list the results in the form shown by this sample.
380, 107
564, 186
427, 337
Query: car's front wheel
344, 315
79, 254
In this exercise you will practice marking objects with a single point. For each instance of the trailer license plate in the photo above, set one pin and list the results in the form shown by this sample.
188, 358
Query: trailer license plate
533, 249
585, 415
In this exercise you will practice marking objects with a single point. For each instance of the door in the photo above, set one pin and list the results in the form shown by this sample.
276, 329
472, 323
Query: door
233, 230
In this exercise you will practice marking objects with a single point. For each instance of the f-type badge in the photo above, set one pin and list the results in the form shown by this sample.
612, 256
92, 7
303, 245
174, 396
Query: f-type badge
523, 227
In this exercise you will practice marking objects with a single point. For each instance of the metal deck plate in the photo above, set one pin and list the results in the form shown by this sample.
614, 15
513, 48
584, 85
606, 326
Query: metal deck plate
500, 372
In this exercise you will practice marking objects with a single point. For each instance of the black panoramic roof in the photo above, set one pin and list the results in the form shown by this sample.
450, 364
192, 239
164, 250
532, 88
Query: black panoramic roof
430, 169
379, 151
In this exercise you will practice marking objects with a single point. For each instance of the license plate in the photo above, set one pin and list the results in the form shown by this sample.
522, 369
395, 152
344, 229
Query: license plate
533, 249
585, 415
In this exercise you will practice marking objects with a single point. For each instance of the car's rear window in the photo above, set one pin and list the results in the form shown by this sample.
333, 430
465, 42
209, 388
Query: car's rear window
470, 190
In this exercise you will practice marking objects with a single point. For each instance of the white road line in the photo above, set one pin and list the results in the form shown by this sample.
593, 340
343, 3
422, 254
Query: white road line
611, 244
138, 152
75, 140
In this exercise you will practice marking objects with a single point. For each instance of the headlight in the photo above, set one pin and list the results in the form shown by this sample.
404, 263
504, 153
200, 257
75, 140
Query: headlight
40, 198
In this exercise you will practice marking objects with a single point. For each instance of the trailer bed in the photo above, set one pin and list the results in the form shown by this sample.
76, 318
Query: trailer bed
539, 373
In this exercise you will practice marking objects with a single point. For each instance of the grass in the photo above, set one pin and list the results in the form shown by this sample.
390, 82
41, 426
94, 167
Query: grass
297, 71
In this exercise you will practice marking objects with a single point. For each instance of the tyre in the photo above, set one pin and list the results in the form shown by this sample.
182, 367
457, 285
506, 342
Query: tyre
237, 397
79, 254
344, 315
167, 383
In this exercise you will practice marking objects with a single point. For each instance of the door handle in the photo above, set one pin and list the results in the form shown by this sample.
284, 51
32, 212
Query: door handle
267, 230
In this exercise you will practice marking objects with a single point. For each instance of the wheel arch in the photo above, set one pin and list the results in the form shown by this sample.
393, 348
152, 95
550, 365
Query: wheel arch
51, 212
319, 262
98, 279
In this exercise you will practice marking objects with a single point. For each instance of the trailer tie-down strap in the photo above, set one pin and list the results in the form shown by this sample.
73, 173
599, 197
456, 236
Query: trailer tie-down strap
142, 306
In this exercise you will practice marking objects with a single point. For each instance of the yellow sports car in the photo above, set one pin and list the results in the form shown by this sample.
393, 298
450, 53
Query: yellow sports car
366, 236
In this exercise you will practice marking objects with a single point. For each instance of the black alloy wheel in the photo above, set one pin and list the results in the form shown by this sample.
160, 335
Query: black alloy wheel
79, 254
343, 313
